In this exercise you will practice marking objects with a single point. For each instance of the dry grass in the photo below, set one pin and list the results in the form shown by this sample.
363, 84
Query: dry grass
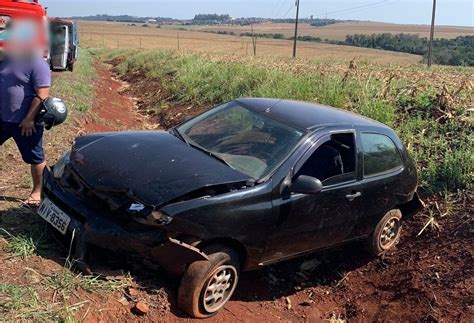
120, 35
339, 31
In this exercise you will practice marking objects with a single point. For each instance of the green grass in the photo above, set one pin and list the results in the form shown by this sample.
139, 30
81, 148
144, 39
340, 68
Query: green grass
23, 303
19, 245
14, 297
76, 88
443, 149
66, 282
24, 232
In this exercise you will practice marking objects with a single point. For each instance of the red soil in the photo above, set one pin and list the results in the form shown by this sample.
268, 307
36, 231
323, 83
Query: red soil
426, 278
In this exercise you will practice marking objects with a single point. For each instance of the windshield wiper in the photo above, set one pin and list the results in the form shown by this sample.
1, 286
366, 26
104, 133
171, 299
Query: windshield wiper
210, 153
177, 134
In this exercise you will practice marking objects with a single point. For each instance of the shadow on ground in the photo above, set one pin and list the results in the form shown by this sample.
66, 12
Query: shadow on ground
283, 280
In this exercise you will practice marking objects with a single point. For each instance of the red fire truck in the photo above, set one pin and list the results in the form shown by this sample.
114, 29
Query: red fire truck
58, 37
31, 10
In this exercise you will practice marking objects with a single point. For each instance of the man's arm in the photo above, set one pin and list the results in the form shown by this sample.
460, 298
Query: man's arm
28, 126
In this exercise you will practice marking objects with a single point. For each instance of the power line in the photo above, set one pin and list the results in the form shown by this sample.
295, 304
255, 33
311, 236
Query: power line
279, 5
361, 7
290, 9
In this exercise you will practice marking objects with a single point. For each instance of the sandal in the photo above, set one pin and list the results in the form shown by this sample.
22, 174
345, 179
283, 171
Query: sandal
32, 203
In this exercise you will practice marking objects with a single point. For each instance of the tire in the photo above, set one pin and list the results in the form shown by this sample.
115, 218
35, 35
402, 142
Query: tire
387, 233
201, 275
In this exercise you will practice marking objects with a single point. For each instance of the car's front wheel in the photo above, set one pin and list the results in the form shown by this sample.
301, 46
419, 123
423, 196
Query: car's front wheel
207, 285
387, 233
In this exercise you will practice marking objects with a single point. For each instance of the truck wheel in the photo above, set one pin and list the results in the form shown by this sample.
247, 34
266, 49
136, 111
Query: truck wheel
207, 285
70, 67
386, 233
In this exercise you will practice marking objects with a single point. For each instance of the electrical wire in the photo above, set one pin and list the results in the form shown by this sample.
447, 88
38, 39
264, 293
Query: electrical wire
289, 10
361, 7
358, 13
278, 6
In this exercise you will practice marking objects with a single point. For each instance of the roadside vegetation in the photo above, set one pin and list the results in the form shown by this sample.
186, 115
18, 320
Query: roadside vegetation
457, 51
76, 88
429, 113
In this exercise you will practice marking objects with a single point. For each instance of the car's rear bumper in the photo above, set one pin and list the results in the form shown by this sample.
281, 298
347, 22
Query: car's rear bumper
88, 228
412, 207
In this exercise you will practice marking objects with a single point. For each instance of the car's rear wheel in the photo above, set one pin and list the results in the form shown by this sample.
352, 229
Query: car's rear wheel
387, 233
207, 285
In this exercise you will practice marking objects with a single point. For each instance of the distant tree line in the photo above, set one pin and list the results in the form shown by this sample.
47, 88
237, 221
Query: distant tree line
324, 22
457, 51
204, 19
121, 18
263, 35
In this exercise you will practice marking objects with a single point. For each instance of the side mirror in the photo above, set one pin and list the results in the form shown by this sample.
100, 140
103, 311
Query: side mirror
306, 185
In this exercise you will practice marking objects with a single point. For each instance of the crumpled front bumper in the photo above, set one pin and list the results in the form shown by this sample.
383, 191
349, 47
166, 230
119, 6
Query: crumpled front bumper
87, 228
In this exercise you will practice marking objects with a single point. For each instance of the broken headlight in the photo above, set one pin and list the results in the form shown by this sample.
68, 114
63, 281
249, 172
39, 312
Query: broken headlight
159, 218
60, 166
146, 215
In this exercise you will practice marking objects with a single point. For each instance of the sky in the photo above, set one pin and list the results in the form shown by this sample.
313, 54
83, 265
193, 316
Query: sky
449, 12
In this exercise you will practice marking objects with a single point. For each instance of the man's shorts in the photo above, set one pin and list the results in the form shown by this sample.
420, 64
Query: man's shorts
31, 148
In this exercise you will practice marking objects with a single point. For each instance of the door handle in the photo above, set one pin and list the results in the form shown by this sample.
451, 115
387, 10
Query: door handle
352, 197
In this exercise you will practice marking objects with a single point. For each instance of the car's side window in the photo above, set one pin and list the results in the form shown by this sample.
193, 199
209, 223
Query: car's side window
334, 162
380, 154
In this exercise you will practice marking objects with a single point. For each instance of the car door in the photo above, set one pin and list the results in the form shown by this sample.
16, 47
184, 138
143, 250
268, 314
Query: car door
60, 47
312, 221
381, 171
75, 42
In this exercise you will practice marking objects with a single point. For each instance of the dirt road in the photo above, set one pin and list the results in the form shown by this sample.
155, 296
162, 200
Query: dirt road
426, 278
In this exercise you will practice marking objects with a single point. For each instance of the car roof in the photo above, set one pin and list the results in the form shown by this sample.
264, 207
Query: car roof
306, 115
57, 19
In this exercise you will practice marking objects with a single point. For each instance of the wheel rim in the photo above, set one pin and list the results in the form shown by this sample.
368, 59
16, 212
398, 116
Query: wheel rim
219, 288
389, 233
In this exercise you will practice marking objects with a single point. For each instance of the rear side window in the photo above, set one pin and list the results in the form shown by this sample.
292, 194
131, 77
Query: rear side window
380, 154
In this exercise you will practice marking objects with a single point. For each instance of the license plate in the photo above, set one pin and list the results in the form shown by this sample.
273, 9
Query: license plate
54, 216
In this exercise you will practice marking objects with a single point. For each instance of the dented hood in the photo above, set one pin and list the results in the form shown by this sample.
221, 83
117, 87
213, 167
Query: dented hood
153, 167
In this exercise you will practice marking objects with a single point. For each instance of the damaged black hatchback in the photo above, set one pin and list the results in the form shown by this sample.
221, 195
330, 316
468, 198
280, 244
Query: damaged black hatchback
244, 185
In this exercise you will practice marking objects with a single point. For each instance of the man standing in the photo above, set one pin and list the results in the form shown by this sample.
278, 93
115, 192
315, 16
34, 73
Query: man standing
24, 84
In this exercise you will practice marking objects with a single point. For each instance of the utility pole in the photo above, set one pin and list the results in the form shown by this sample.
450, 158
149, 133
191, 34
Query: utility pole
296, 27
430, 50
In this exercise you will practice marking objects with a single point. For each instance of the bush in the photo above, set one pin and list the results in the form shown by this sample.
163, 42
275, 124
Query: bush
458, 51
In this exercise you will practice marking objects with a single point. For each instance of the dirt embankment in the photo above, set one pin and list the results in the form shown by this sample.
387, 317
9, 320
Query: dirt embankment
426, 278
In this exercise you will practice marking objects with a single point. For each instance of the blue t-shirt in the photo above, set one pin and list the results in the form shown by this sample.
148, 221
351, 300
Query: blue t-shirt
18, 83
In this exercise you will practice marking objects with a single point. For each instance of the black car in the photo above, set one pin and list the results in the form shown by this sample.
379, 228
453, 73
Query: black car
247, 184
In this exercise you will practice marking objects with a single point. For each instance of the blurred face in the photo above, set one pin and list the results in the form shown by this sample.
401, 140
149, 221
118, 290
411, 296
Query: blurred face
22, 38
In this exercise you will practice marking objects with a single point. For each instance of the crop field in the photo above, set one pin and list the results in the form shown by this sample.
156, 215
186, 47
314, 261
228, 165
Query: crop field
340, 30
121, 35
